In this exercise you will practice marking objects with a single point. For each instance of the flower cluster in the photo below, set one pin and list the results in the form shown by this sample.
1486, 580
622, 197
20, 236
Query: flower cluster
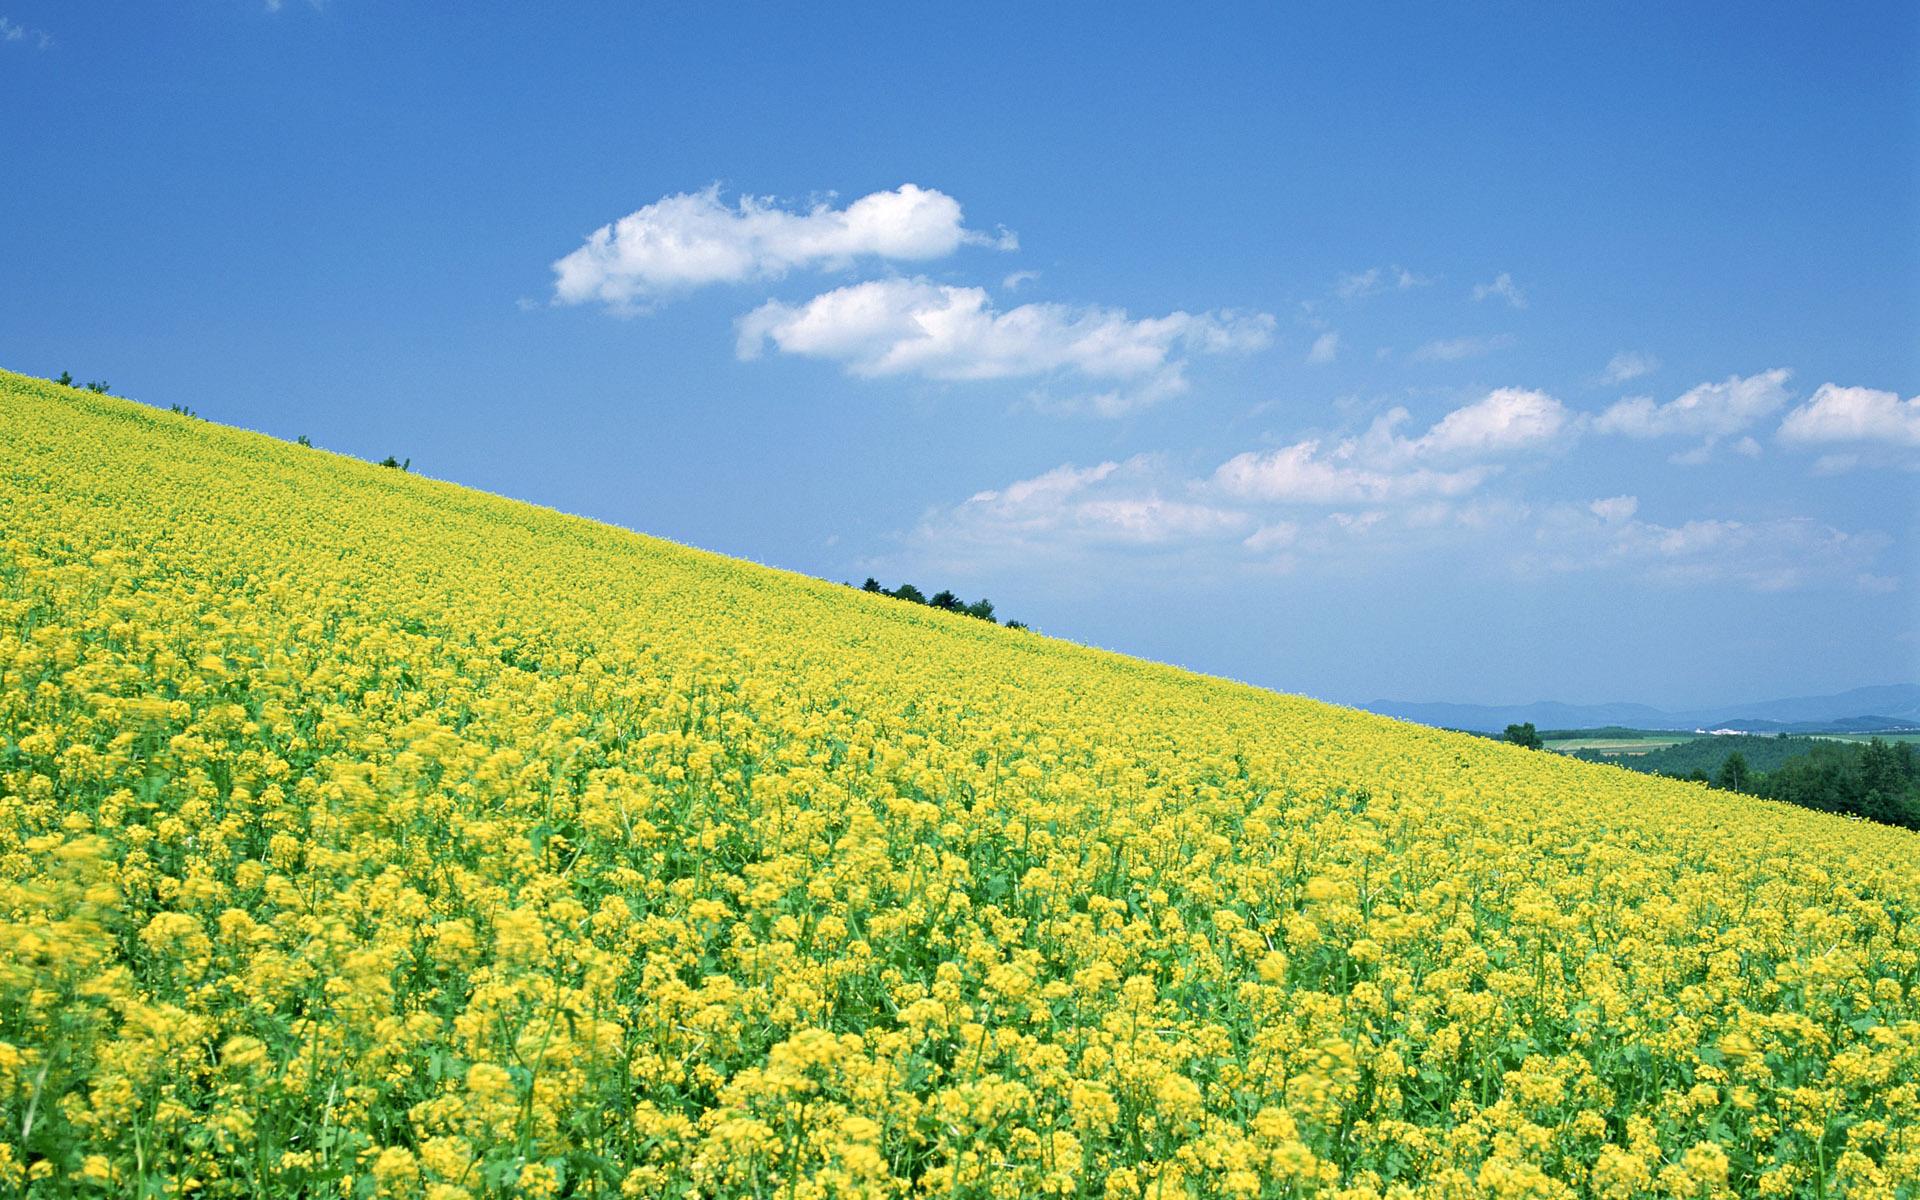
365, 836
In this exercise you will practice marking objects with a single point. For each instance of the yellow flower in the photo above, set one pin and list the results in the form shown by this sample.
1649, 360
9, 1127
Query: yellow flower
1707, 1164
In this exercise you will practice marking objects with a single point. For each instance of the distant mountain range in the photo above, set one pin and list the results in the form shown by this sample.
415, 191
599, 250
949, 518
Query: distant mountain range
1862, 710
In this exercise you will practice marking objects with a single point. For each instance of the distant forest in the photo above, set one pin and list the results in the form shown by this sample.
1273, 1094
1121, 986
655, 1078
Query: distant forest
1706, 754
1876, 780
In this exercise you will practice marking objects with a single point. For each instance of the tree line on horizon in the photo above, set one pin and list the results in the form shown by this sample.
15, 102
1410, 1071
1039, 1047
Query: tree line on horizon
944, 600
1878, 781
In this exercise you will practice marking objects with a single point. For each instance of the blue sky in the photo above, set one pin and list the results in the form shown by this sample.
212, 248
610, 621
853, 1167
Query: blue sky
1486, 354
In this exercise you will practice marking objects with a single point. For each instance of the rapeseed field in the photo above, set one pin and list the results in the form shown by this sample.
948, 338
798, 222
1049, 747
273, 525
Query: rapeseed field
366, 836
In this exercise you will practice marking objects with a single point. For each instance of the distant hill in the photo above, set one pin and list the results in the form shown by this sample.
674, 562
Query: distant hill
1861, 710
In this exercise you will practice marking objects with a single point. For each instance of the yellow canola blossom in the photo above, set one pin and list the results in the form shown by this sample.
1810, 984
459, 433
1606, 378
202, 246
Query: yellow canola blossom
366, 836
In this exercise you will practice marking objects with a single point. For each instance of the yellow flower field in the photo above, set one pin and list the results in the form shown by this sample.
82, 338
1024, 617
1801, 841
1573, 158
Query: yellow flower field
366, 836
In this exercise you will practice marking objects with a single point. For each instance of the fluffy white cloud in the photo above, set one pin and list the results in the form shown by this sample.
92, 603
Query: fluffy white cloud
1506, 420
1115, 504
1325, 348
1304, 473
1453, 457
1504, 288
1629, 364
1137, 507
938, 331
1711, 410
694, 238
1456, 349
1838, 414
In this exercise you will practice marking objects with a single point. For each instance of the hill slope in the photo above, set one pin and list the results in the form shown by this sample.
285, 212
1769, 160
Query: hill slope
364, 835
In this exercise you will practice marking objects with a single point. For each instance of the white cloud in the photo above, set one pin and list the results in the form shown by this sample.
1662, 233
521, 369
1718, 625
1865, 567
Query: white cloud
1502, 287
1854, 415
1277, 535
1119, 515
1013, 282
1046, 490
1629, 364
692, 239
938, 331
1153, 519
1614, 509
1746, 447
1453, 457
1711, 411
1111, 504
1356, 522
1506, 420
1122, 511
1375, 280
1456, 349
1774, 555
1305, 474
1391, 498
1325, 348
13, 31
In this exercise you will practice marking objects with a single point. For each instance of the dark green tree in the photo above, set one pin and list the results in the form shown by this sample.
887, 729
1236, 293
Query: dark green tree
944, 599
1880, 768
65, 380
1525, 735
871, 585
907, 591
1734, 773
982, 608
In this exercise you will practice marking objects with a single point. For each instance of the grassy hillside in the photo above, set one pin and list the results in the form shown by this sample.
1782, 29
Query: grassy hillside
362, 835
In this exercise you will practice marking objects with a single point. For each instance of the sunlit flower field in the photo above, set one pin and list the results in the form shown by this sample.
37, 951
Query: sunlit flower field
365, 836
